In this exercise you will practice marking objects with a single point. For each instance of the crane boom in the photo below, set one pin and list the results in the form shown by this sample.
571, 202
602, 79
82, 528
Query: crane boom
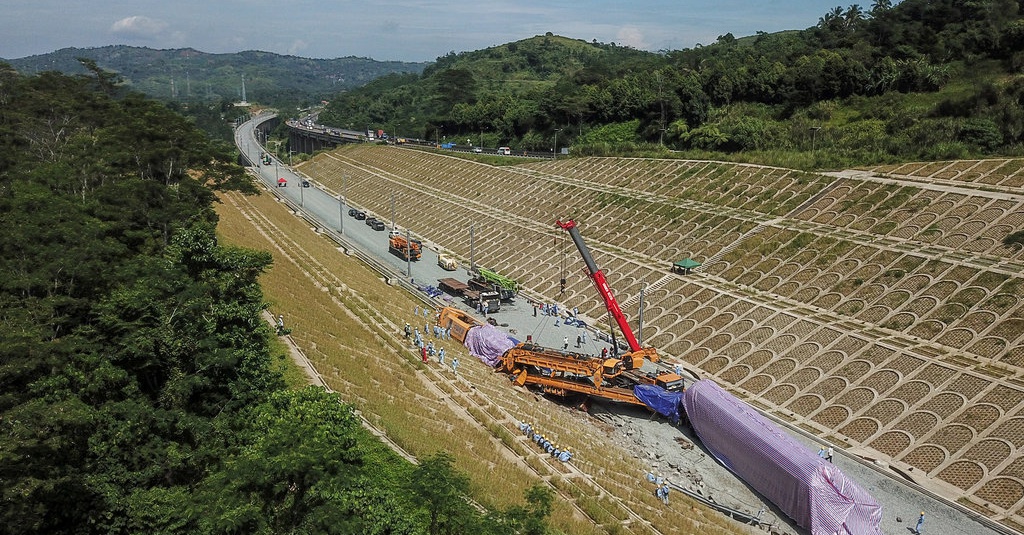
601, 283
560, 372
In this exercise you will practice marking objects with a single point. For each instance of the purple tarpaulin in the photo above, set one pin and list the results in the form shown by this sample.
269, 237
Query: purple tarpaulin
809, 489
488, 343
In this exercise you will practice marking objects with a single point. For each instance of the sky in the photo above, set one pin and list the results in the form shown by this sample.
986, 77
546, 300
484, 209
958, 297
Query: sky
403, 30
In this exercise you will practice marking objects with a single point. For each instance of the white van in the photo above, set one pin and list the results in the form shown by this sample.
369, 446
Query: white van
447, 263
506, 151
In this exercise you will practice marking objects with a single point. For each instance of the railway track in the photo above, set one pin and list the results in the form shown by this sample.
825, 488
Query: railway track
351, 303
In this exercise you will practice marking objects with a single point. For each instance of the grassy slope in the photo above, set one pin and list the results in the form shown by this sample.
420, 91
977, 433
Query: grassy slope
423, 408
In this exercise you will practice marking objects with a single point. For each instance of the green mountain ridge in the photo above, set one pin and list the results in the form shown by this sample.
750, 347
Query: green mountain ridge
915, 80
186, 74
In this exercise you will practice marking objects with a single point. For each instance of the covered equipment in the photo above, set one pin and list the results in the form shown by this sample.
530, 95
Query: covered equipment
809, 489
488, 343
659, 400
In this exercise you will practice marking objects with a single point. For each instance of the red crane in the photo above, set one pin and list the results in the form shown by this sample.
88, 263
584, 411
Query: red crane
633, 359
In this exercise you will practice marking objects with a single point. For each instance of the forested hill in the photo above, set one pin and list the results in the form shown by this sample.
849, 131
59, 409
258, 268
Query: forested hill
921, 79
136, 388
189, 75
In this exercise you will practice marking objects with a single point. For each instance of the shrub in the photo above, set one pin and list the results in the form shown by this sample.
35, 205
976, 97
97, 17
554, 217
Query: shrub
981, 132
614, 133
1017, 238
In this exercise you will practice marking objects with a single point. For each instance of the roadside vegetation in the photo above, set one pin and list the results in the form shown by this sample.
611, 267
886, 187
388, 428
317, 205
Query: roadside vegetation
919, 80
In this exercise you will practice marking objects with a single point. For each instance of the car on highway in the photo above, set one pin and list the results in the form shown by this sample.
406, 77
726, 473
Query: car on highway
352, 212
360, 214
377, 225
477, 150
369, 221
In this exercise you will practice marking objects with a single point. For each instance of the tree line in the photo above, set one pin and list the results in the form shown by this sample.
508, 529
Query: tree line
919, 79
136, 386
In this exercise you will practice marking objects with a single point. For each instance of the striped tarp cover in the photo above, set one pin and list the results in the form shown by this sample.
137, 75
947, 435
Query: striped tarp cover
809, 489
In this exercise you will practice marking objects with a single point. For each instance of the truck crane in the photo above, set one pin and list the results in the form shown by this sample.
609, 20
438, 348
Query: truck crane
487, 280
633, 359
561, 372
406, 249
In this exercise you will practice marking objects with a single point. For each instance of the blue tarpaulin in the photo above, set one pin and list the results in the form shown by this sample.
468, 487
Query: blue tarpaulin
660, 400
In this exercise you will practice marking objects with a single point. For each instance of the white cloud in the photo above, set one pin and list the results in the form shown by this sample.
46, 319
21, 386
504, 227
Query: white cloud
138, 26
297, 46
631, 36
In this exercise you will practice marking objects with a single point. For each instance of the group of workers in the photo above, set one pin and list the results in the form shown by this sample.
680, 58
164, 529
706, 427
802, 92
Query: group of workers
661, 486
426, 348
546, 309
561, 453
571, 318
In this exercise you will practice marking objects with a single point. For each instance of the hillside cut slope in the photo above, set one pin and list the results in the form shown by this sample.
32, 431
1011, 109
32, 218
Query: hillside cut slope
882, 313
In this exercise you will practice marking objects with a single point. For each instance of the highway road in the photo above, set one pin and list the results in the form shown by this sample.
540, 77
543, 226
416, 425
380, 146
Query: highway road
327, 209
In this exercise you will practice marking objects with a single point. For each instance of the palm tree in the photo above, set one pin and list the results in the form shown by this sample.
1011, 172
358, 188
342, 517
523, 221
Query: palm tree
853, 17
830, 19
880, 6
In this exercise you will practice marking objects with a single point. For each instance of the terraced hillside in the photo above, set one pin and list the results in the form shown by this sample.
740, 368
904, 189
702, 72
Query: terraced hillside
882, 313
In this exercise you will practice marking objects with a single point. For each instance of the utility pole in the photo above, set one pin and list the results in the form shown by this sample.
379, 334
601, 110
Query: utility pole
640, 326
341, 214
393, 227
408, 254
472, 257
554, 152
344, 182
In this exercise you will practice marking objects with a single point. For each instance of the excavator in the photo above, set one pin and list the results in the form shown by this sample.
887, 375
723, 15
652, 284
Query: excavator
562, 372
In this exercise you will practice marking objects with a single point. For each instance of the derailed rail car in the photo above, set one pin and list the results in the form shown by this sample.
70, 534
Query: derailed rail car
812, 491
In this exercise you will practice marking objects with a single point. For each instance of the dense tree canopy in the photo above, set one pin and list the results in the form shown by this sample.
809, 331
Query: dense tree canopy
842, 76
136, 392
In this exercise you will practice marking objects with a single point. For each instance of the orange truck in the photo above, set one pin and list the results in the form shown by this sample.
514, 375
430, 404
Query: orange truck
405, 249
